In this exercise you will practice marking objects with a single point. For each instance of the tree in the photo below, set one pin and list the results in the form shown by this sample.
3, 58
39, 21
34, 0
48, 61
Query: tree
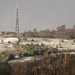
61, 28
45, 33
34, 30
73, 27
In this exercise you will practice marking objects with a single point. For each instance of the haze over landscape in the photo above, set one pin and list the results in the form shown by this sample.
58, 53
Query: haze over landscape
37, 37
40, 14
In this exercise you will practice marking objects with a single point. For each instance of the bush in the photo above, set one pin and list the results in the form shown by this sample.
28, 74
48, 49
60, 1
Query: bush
36, 52
40, 52
20, 54
25, 54
71, 37
8, 58
29, 47
30, 53
53, 54
47, 52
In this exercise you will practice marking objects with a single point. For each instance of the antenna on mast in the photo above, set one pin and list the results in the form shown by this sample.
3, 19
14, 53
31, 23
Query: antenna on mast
17, 21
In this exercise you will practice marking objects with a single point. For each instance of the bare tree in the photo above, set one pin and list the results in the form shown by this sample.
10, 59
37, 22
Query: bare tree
34, 30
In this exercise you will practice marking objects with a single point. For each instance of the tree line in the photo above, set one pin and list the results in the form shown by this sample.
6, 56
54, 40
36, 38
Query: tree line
60, 32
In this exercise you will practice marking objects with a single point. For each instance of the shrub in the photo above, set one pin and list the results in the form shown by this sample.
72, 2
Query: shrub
20, 54
53, 54
25, 54
8, 58
71, 37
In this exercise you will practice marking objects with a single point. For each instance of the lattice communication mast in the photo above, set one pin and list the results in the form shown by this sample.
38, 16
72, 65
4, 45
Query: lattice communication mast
17, 22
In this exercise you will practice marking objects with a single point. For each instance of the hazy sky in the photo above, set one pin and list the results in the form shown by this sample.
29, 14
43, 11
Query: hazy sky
40, 14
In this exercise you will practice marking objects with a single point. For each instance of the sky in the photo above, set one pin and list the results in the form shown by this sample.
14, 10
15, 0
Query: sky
40, 14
